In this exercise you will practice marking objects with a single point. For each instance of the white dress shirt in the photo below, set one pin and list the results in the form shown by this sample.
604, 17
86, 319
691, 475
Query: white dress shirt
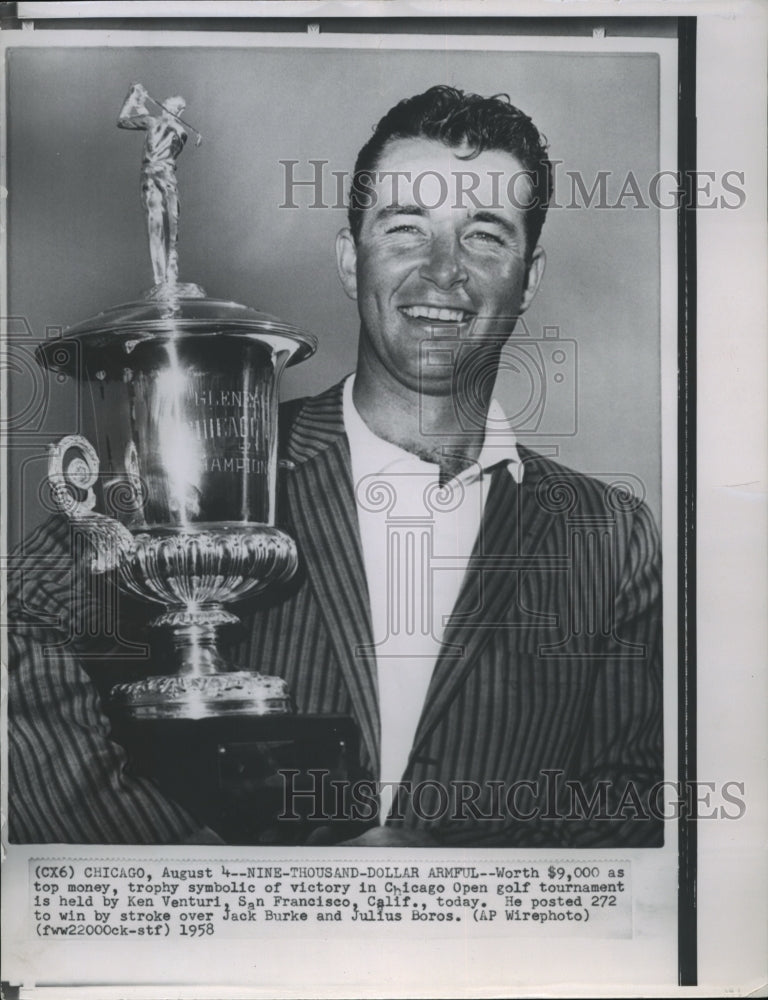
417, 538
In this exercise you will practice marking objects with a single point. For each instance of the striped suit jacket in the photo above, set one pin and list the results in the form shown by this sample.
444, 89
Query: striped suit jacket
542, 722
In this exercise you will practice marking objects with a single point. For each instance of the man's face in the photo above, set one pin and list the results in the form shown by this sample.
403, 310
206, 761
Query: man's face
441, 254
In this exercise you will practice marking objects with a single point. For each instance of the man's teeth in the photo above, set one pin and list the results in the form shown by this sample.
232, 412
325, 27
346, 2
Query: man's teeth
430, 312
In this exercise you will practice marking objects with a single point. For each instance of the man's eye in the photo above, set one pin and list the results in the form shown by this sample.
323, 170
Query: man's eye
404, 227
482, 236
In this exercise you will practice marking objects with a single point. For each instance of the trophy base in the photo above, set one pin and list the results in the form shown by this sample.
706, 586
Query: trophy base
241, 692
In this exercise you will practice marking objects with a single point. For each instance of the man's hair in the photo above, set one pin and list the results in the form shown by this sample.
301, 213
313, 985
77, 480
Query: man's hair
445, 114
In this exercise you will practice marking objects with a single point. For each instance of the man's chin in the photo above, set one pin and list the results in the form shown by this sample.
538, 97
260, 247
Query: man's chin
426, 382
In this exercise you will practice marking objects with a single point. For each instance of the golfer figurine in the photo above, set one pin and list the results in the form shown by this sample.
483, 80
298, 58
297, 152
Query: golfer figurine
167, 134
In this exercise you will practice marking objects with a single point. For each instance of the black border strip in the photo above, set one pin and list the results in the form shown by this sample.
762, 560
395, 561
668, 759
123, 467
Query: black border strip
434, 23
687, 952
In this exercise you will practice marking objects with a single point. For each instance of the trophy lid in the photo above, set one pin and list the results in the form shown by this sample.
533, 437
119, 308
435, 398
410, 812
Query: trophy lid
171, 310
115, 332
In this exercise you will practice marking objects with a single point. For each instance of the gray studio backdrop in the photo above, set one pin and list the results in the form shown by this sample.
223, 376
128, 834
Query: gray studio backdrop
77, 239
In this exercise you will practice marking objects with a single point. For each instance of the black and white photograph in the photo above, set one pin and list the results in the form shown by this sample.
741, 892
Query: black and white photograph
350, 519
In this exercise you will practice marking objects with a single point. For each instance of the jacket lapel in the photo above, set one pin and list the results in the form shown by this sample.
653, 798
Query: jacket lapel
321, 507
514, 524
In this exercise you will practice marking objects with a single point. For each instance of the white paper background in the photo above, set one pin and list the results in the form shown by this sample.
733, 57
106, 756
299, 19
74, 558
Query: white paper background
731, 672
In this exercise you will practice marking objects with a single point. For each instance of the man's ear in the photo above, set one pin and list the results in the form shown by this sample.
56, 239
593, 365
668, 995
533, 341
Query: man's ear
533, 277
346, 262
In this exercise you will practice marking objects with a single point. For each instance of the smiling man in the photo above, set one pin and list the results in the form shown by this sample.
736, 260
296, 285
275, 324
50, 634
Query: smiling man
490, 618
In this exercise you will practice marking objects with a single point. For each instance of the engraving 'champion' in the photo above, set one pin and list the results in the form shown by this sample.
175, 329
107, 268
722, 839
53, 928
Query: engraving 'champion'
255, 465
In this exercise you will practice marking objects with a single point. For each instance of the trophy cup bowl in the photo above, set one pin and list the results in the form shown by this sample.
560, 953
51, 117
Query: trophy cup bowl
184, 401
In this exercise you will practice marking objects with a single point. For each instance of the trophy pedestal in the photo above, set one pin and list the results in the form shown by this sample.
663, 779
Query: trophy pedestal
193, 696
258, 779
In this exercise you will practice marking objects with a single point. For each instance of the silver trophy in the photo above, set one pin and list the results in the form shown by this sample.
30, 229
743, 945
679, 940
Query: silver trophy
184, 393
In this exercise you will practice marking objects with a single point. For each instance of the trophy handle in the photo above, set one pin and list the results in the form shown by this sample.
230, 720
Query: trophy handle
69, 473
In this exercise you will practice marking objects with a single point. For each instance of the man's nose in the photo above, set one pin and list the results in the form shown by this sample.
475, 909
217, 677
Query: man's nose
444, 266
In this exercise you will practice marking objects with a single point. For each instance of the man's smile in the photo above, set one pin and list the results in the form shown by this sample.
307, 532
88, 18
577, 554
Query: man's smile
437, 314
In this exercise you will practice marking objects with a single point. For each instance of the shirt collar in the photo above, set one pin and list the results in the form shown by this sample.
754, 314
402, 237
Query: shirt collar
378, 455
